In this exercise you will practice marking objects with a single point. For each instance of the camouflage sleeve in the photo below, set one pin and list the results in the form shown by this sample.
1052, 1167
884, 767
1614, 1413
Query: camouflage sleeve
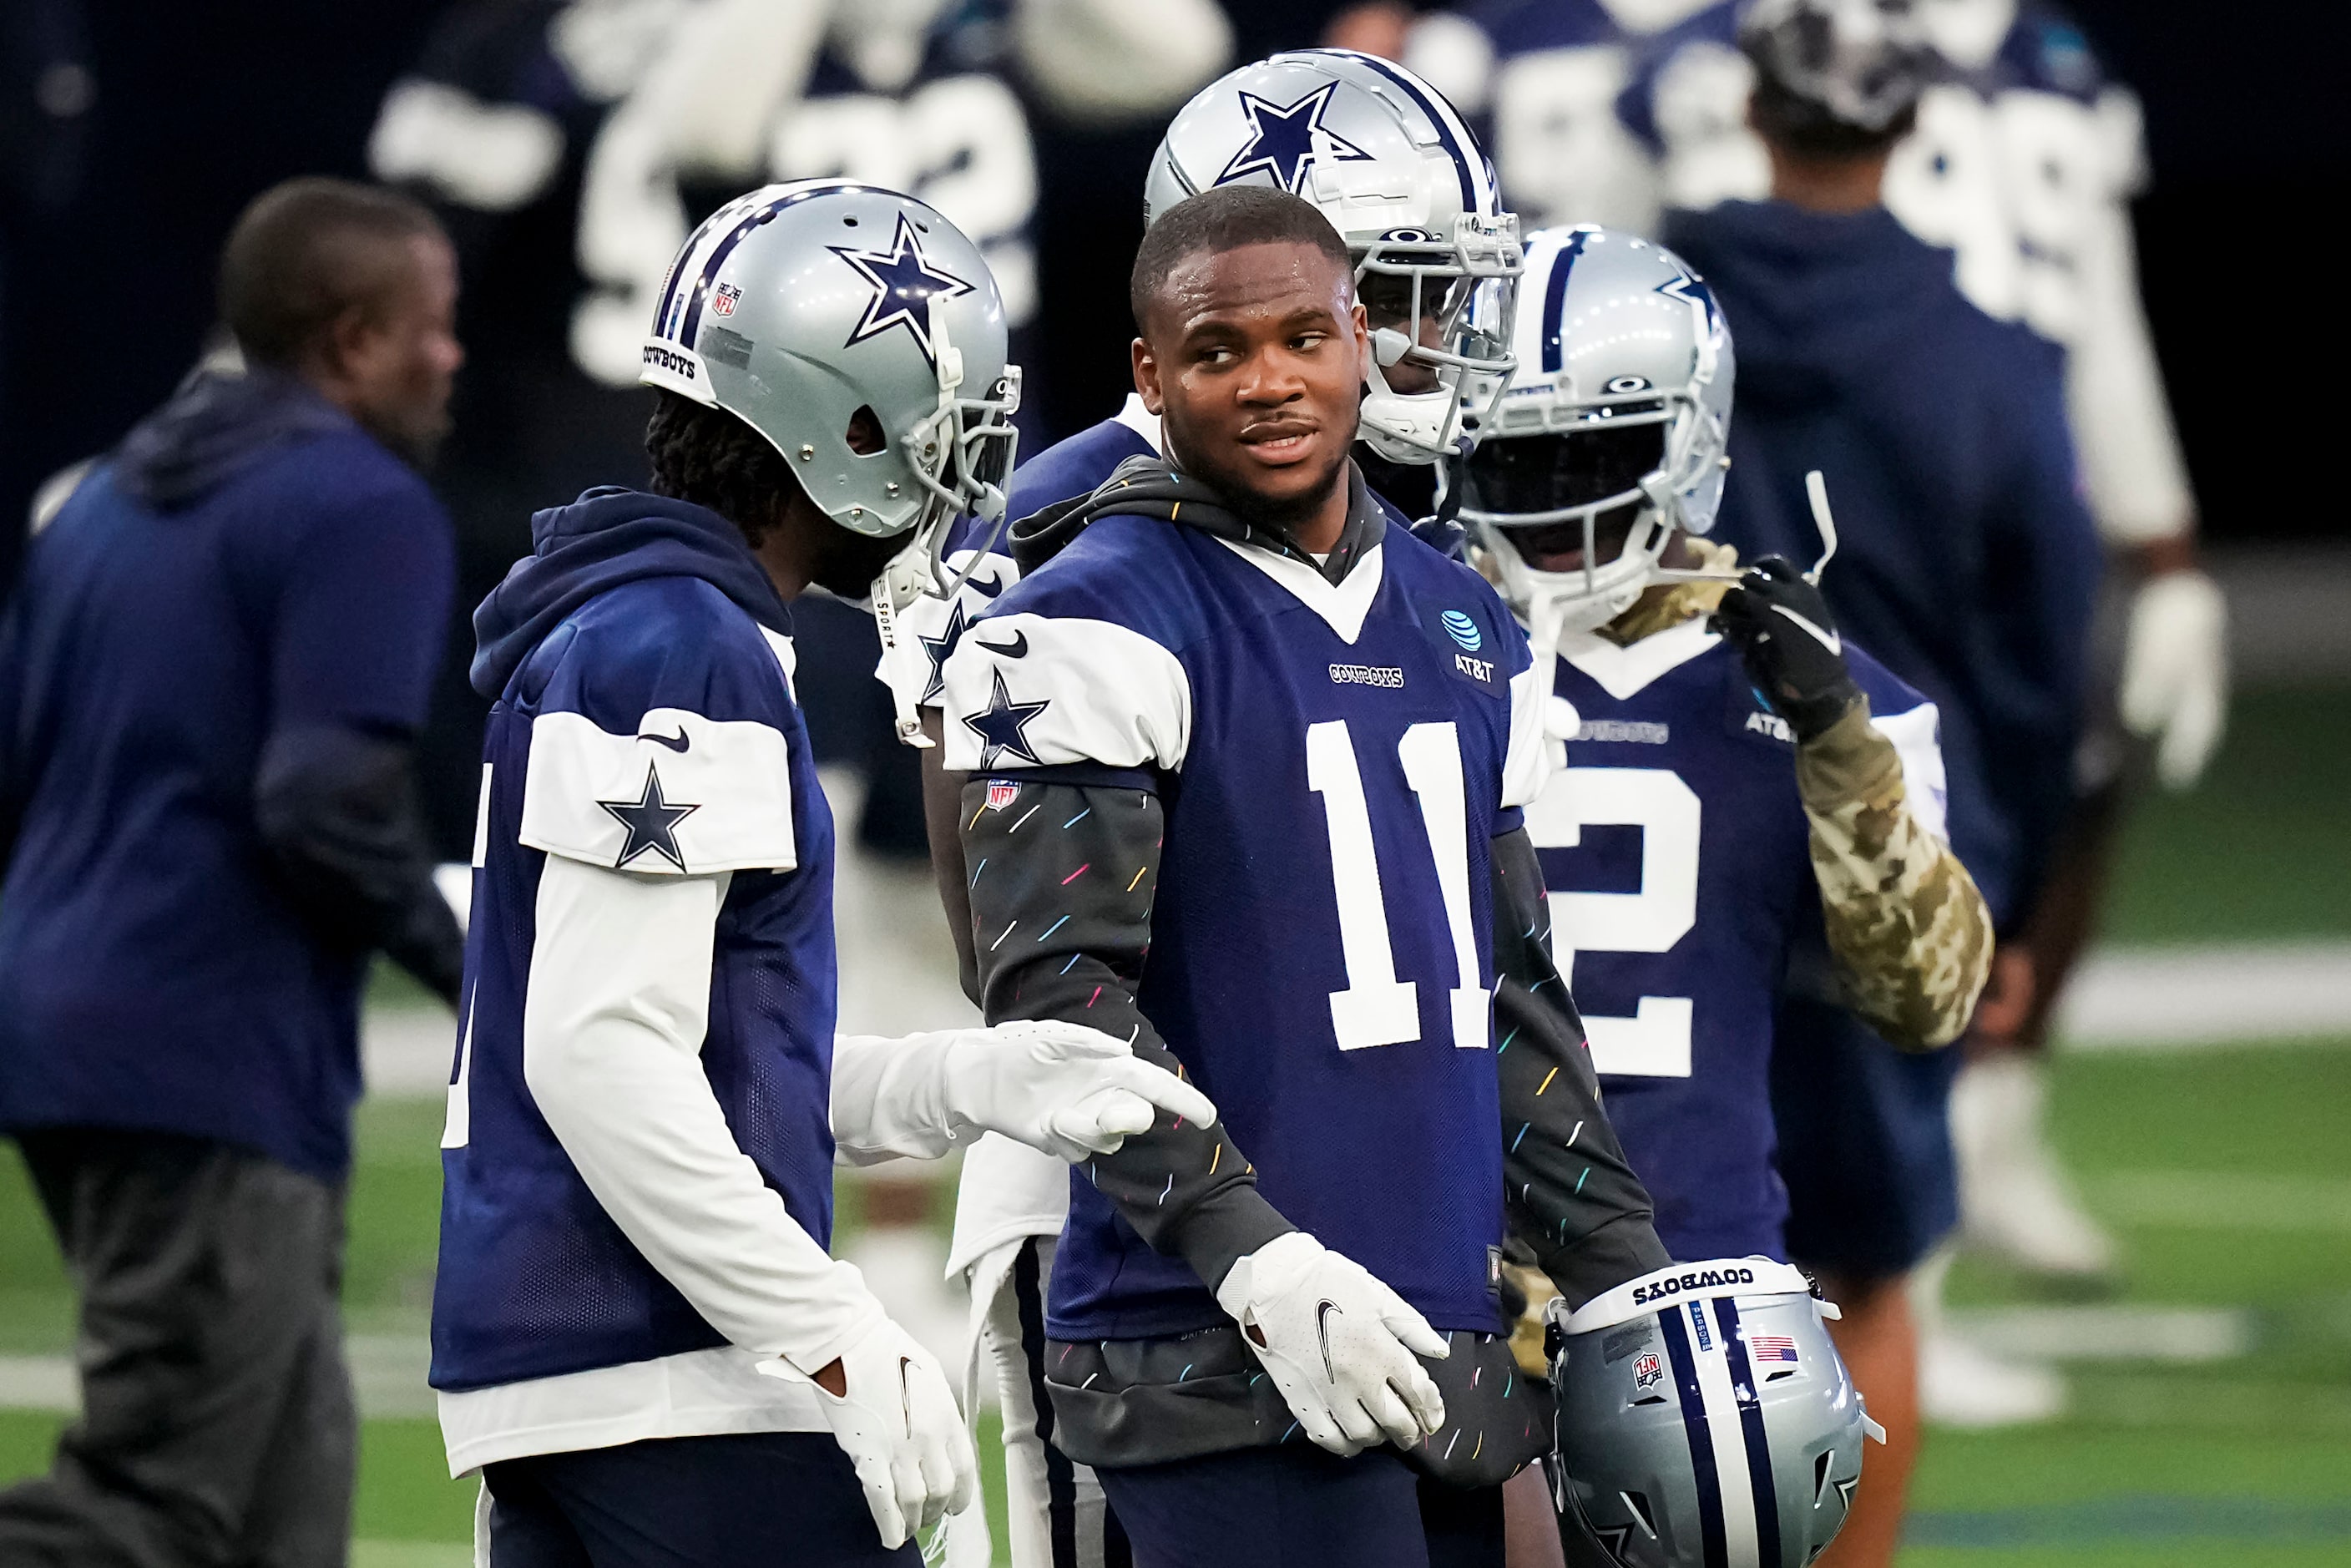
1062, 879
1572, 1199
1910, 933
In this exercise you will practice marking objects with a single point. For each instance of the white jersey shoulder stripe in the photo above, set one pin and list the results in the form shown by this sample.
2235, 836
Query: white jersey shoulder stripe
1028, 690
1917, 734
682, 796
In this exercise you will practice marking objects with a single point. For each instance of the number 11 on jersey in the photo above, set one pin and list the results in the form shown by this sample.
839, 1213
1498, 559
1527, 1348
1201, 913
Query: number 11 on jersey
1375, 1008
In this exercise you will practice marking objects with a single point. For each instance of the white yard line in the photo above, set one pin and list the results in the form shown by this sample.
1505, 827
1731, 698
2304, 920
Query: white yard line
2173, 998
2111, 1331
2224, 1200
387, 1372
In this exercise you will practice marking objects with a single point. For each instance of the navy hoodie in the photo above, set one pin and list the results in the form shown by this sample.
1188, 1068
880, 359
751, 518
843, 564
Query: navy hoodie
209, 674
1966, 562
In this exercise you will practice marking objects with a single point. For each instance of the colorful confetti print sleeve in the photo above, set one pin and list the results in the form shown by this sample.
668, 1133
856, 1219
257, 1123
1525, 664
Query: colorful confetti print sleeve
1572, 1198
1061, 880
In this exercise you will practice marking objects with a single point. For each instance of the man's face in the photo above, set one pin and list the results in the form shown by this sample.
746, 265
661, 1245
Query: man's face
1387, 302
402, 364
1254, 359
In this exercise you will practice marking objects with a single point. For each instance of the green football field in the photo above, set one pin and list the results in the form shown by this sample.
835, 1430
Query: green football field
2227, 1171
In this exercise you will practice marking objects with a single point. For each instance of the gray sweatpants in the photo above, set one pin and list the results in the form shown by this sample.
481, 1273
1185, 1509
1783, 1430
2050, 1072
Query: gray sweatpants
217, 1427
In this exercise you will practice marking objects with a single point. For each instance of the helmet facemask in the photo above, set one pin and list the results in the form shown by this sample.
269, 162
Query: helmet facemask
1612, 468
1424, 388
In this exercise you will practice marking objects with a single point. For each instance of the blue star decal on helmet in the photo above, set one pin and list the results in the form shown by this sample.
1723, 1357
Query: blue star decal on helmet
937, 649
1691, 290
1285, 138
651, 822
904, 283
1002, 725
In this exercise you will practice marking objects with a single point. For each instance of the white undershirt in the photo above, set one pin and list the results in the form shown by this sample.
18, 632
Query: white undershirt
614, 1020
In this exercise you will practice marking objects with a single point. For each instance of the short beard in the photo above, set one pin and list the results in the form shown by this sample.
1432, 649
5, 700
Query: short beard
1279, 517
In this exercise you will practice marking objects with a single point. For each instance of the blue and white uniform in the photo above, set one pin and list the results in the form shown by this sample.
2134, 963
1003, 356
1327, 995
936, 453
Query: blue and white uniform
625, 1230
1258, 698
1674, 848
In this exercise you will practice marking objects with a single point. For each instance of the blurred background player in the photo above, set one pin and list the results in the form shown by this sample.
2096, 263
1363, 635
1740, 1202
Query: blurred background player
212, 674
1967, 565
2024, 160
1382, 158
1682, 701
571, 144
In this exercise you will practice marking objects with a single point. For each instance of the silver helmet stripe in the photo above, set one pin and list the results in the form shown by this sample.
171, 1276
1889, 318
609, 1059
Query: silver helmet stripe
1469, 162
1749, 1389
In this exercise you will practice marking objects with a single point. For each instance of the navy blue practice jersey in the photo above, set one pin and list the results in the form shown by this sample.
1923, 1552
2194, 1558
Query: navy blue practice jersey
653, 731
1334, 761
1674, 846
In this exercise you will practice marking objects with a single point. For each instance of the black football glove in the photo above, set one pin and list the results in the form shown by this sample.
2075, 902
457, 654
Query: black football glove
1782, 627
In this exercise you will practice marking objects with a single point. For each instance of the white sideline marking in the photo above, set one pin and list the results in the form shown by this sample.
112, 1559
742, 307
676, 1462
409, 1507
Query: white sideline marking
2137, 1332
2172, 999
387, 1372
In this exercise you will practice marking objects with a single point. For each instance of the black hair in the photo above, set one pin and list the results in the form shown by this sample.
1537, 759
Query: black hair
304, 252
710, 458
1223, 218
1798, 125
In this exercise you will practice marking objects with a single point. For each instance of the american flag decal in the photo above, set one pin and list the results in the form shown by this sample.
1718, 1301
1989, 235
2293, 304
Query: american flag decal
1771, 1347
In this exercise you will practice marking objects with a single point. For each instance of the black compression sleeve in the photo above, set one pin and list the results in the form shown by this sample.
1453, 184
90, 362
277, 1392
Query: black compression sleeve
1571, 1196
338, 811
1061, 878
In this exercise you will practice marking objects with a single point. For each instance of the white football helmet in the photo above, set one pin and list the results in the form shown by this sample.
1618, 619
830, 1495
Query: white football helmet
1390, 162
1616, 417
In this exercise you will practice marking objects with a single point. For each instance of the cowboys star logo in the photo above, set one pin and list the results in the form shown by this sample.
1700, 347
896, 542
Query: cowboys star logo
1285, 138
904, 283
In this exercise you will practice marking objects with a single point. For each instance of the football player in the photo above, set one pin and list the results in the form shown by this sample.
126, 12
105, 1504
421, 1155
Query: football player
1386, 161
2023, 160
638, 1337
1969, 566
1752, 799
1207, 661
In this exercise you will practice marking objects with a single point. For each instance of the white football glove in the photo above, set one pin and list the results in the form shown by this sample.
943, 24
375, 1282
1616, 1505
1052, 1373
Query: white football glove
1068, 1090
897, 1422
2175, 687
1338, 1345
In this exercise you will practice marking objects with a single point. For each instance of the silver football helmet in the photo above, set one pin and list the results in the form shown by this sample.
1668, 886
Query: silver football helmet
1389, 161
796, 305
1705, 1419
1616, 414
1861, 63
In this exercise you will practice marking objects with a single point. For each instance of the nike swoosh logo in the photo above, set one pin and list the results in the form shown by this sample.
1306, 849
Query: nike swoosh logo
681, 741
1016, 649
987, 588
1828, 640
1323, 1332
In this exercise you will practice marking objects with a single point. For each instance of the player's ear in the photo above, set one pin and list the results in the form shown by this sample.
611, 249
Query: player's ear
1363, 335
1147, 377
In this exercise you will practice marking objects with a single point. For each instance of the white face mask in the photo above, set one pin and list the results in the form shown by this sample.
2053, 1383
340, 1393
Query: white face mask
1968, 33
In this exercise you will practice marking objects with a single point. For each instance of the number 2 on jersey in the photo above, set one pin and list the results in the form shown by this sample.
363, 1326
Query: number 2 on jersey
1655, 1042
1375, 1008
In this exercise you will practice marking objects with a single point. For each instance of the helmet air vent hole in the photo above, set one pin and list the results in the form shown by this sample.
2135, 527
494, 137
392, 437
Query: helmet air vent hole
1639, 1503
1820, 1477
1784, 1372
864, 433
1652, 1399
849, 220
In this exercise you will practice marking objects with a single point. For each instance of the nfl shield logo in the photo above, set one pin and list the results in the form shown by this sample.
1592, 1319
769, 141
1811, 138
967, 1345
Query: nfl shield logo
722, 303
1001, 792
1647, 1373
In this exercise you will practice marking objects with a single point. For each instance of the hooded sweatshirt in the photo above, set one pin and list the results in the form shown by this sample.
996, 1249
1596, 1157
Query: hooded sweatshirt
210, 675
1966, 559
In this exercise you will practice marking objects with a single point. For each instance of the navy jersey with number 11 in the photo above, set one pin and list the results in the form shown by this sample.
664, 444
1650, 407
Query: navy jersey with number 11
1332, 761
